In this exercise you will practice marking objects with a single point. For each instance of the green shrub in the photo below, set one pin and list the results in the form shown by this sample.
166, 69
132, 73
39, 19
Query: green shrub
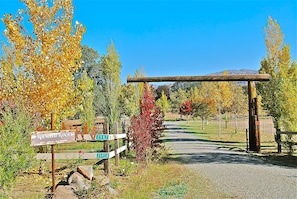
173, 191
16, 154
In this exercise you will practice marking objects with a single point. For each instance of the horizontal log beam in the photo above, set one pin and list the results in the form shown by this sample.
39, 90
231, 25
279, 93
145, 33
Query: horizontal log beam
249, 77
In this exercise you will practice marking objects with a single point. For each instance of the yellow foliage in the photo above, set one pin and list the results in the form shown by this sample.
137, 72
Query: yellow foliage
45, 59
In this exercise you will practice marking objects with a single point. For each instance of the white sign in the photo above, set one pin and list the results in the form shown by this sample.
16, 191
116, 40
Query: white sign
40, 138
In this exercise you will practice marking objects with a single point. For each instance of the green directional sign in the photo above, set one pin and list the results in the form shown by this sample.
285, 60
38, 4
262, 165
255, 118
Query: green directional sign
102, 137
102, 155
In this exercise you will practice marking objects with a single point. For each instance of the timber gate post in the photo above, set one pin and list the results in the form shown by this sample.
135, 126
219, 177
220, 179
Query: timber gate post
254, 123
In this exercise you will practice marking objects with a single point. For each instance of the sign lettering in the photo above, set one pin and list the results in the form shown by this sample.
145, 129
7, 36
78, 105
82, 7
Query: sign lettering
52, 137
102, 155
102, 137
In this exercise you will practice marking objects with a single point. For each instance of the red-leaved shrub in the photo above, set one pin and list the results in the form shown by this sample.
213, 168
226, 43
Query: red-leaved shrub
146, 128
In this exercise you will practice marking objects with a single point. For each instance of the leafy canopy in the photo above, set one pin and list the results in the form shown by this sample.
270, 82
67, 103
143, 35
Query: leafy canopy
279, 95
42, 54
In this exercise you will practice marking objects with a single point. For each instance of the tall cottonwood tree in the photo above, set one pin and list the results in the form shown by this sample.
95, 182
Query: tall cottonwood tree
131, 94
39, 62
110, 85
177, 98
288, 90
274, 41
162, 103
85, 86
126, 97
278, 94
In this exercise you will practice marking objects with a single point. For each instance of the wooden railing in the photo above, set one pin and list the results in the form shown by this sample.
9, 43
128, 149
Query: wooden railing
279, 140
95, 136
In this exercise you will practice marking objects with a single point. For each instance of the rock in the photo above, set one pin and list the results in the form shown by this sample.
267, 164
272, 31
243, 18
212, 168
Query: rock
112, 191
102, 180
79, 182
86, 171
63, 192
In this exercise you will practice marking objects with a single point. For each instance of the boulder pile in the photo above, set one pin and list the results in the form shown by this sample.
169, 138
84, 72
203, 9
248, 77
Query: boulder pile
78, 181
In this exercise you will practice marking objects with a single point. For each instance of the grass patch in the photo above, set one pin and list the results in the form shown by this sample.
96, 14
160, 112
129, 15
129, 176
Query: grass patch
173, 190
164, 180
88, 146
228, 137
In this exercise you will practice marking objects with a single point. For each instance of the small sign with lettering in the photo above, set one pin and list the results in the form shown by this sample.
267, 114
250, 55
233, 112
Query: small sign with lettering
40, 138
102, 137
102, 155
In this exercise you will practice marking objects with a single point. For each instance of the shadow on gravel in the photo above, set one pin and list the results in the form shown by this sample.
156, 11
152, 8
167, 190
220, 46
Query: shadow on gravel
173, 128
218, 158
223, 155
232, 157
281, 159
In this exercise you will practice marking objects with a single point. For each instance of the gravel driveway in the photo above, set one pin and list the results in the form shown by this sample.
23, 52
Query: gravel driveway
234, 173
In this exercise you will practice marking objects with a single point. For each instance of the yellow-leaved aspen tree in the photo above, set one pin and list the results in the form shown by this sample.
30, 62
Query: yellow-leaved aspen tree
85, 86
288, 90
162, 103
270, 65
42, 54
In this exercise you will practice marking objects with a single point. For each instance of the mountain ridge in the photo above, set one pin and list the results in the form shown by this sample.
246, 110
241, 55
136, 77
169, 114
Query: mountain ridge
237, 72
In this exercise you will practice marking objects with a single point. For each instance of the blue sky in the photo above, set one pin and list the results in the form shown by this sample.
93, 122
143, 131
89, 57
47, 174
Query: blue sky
181, 37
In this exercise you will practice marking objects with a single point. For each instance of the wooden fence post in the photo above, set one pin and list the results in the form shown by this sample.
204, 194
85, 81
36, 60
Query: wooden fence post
128, 141
116, 145
124, 140
106, 149
278, 140
53, 154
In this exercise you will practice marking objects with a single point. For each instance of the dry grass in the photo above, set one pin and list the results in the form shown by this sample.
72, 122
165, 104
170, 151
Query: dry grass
153, 180
170, 180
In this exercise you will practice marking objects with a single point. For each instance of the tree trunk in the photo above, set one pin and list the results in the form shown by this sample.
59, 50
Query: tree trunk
202, 120
236, 123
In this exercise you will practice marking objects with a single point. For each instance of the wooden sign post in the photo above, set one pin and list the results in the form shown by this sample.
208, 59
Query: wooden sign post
43, 138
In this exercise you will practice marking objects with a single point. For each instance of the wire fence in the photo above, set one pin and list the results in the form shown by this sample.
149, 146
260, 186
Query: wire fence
242, 123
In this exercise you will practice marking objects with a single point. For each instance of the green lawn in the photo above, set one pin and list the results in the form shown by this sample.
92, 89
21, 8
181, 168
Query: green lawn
230, 136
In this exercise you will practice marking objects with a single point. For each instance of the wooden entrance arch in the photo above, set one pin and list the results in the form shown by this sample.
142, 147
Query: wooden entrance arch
254, 123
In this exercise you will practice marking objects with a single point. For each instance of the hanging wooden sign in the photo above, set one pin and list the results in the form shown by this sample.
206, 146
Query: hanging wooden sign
41, 138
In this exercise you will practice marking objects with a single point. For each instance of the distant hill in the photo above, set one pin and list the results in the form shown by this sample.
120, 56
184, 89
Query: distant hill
237, 72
